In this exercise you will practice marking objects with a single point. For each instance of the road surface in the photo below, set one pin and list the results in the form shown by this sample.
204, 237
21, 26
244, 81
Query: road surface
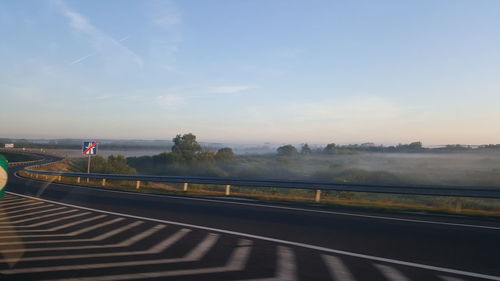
51, 231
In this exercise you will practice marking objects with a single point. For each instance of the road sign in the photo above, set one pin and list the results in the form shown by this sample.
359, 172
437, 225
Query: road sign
3, 174
9, 145
89, 148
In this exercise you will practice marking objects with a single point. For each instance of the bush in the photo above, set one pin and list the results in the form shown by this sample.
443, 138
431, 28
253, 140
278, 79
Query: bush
111, 165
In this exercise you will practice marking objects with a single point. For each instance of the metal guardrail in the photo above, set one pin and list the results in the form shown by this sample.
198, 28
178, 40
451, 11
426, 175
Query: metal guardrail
318, 186
21, 152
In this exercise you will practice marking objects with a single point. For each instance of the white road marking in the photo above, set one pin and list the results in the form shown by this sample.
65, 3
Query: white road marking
2, 224
15, 200
286, 270
48, 222
6, 202
391, 273
197, 253
18, 207
128, 242
281, 207
200, 251
171, 240
9, 218
158, 248
291, 243
236, 262
338, 270
78, 232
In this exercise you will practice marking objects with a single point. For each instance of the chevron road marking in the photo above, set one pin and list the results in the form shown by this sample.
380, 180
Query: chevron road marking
158, 248
80, 231
14, 200
442, 270
23, 212
391, 273
236, 262
128, 242
195, 254
58, 228
9, 217
286, 268
48, 222
338, 270
16, 206
30, 219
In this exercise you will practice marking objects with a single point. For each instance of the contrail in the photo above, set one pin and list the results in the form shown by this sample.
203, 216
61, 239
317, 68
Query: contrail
81, 59
123, 39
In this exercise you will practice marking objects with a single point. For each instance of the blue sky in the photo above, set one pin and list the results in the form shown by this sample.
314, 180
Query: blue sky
252, 71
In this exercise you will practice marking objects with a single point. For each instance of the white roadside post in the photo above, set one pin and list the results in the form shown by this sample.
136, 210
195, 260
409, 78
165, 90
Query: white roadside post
228, 189
317, 196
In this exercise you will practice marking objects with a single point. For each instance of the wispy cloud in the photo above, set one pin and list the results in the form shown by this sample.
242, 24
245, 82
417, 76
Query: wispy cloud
231, 89
169, 100
101, 41
166, 18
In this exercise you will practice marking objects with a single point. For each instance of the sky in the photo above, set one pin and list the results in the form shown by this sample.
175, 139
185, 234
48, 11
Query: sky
279, 71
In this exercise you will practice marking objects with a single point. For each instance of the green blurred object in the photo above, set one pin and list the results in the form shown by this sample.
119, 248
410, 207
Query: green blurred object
4, 167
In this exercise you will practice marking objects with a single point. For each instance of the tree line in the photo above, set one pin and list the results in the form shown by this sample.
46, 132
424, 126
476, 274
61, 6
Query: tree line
332, 148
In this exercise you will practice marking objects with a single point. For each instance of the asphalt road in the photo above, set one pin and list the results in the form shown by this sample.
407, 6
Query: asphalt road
102, 234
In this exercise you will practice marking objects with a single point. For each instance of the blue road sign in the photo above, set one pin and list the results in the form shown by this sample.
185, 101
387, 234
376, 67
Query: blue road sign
89, 148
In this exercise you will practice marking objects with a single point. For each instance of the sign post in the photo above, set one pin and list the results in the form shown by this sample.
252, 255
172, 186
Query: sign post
3, 174
89, 148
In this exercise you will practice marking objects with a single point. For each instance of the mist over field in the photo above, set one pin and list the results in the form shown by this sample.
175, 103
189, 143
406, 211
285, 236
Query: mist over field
452, 165
405, 163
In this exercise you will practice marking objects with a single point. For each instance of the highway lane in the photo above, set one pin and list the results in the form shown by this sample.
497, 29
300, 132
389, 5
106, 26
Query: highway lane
462, 247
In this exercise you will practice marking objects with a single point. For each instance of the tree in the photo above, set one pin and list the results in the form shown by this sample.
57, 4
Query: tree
186, 148
305, 150
330, 148
415, 145
287, 150
224, 154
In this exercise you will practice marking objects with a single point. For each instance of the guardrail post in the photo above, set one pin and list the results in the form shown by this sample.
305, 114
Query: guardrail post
137, 184
185, 187
228, 189
103, 182
317, 196
78, 180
